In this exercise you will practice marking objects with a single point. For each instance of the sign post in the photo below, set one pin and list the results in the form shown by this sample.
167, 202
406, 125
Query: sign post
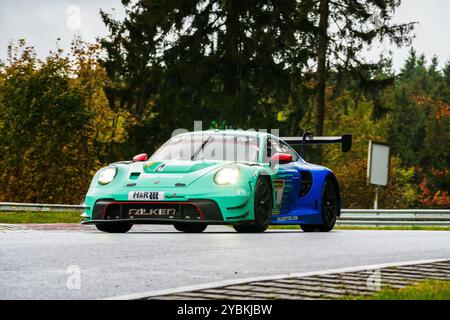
378, 166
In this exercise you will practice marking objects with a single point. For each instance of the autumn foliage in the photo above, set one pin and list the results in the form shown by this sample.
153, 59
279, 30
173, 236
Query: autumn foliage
54, 119
57, 127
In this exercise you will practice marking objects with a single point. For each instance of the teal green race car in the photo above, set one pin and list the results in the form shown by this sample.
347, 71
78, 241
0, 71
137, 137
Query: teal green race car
246, 179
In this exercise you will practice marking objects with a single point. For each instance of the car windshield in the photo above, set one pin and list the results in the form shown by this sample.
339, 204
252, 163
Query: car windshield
209, 146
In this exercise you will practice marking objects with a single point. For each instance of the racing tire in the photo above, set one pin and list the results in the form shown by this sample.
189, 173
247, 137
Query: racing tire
310, 227
190, 227
118, 227
331, 207
262, 209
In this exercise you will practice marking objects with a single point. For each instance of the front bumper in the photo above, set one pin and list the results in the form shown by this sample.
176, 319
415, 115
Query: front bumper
224, 206
148, 212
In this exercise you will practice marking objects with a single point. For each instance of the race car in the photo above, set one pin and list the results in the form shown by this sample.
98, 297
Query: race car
246, 179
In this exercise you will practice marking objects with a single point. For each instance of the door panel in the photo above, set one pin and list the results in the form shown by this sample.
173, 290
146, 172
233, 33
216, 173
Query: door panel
286, 184
287, 177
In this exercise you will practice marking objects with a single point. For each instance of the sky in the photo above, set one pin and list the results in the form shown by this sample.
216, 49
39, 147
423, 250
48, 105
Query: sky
42, 22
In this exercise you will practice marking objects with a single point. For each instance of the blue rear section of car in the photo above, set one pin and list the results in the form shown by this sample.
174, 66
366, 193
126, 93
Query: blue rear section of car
297, 208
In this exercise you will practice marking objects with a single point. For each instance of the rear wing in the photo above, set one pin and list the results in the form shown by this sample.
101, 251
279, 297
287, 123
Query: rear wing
345, 140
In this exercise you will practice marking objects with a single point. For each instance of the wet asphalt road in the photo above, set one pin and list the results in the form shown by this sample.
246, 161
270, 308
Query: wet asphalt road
42, 262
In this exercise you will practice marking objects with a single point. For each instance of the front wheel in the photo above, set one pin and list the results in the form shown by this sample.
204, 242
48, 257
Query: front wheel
190, 227
262, 209
117, 227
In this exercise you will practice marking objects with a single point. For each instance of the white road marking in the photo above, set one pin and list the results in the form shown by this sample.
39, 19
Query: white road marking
224, 283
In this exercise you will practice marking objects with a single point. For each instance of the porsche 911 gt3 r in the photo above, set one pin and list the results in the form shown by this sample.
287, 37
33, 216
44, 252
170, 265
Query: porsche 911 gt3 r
246, 179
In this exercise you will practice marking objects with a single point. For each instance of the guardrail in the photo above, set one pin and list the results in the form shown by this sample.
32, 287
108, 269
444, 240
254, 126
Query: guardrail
34, 207
394, 217
349, 217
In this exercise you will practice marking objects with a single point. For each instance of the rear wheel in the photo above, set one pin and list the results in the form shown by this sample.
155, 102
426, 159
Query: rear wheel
262, 208
118, 227
330, 208
190, 227
310, 227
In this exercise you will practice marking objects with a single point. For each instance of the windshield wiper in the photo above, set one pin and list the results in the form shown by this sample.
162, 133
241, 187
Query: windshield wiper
196, 153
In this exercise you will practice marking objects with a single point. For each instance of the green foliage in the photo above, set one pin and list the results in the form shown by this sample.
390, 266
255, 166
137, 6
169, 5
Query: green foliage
424, 290
355, 115
40, 217
345, 29
407, 190
421, 100
240, 64
248, 62
420, 107
48, 109
187, 60
358, 24
415, 123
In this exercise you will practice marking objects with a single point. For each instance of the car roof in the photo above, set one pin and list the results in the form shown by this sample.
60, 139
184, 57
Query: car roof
250, 133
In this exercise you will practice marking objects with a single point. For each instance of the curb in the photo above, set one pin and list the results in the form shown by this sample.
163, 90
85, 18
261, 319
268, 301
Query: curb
224, 283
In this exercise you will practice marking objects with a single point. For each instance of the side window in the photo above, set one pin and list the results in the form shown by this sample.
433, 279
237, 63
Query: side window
277, 146
287, 149
272, 147
268, 150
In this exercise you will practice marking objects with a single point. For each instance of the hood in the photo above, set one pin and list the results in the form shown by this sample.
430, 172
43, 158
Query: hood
167, 174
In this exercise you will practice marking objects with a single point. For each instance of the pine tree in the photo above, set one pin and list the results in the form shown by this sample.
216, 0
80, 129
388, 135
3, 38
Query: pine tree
353, 26
173, 62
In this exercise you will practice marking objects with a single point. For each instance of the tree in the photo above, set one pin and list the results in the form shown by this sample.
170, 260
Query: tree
356, 116
321, 64
420, 106
346, 27
53, 122
175, 61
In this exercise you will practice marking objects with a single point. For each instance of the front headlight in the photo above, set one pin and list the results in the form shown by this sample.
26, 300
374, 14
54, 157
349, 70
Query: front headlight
107, 175
227, 175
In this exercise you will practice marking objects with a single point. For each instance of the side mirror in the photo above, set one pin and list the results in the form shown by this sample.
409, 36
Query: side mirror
140, 157
281, 158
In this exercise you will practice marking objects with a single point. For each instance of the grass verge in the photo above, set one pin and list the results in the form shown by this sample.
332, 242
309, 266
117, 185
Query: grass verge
434, 228
425, 290
39, 217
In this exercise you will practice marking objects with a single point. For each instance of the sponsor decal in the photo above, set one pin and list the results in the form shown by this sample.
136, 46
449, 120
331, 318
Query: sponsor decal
279, 190
167, 176
146, 195
288, 218
152, 212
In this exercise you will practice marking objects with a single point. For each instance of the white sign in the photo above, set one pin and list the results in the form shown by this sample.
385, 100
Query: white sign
378, 164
